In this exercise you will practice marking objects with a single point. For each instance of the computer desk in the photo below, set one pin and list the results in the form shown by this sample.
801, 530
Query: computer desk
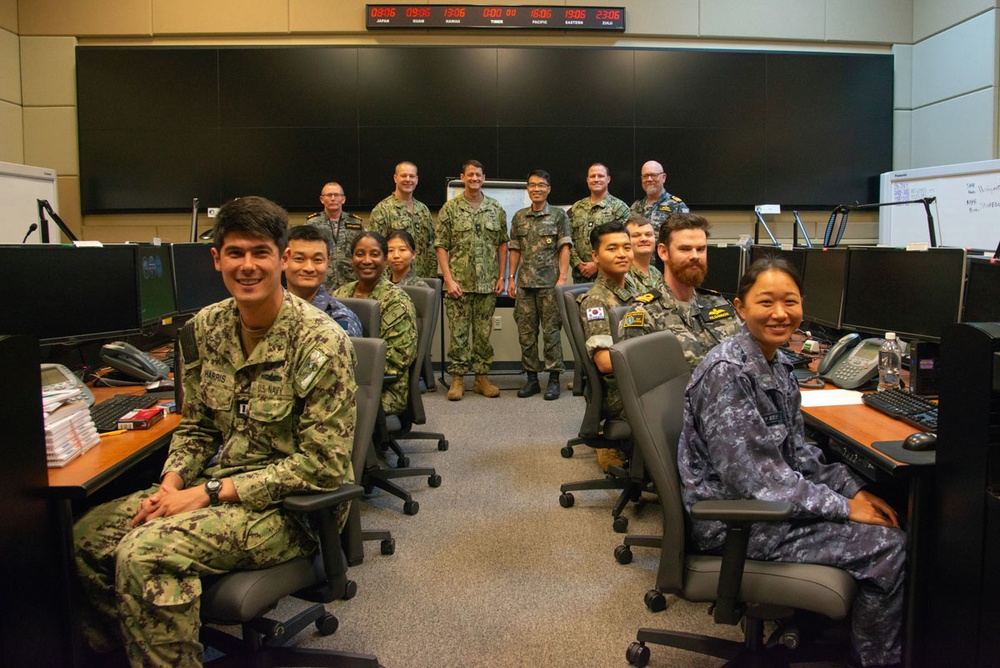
80, 479
848, 432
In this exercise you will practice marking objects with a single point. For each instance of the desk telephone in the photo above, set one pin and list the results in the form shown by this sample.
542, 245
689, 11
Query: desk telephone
133, 362
851, 362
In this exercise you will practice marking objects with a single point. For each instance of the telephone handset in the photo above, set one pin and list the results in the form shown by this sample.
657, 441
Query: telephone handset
851, 362
837, 352
133, 362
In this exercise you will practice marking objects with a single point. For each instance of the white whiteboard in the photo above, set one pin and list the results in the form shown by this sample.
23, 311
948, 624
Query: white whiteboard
966, 212
21, 187
512, 195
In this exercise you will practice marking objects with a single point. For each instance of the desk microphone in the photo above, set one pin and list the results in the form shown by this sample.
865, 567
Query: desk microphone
32, 228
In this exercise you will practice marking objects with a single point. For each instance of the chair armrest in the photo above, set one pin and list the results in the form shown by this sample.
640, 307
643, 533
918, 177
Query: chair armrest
739, 516
742, 511
310, 503
389, 380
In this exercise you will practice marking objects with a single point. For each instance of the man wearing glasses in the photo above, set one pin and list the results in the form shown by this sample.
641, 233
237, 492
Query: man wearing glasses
343, 227
658, 204
540, 242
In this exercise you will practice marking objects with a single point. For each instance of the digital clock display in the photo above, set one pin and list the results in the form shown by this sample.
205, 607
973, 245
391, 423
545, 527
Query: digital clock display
487, 16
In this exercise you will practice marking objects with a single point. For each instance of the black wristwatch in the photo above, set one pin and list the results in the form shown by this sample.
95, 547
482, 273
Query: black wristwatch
213, 487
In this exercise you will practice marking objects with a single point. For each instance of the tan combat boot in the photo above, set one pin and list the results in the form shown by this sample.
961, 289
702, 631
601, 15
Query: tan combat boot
457, 388
607, 457
483, 386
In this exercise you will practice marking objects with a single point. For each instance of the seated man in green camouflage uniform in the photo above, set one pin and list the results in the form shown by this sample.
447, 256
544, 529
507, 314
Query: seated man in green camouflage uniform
269, 411
612, 253
699, 318
540, 242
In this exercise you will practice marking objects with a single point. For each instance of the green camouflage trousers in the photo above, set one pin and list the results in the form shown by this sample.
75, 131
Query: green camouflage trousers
536, 307
472, 312
142, 585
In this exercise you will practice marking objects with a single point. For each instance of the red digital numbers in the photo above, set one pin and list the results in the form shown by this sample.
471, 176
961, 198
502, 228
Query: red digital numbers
418, 12
609, 15
576, 14
454, 12
492, 12
383, 12
541, 13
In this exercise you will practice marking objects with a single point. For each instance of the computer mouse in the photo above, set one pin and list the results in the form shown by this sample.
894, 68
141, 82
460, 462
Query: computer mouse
920, 441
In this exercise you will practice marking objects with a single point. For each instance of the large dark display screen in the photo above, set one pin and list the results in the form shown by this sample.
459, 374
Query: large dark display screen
161, 125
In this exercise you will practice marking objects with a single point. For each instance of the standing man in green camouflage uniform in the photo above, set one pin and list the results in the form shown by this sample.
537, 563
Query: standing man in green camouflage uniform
700, 319
540, 235
612, 253
269, 411
343, 227
402, 211
643, 276
471, 242
589, 212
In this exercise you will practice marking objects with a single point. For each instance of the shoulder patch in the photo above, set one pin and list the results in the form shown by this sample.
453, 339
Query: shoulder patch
188, 343
310, 371
595, 313
646, 298
634, 319
675, 198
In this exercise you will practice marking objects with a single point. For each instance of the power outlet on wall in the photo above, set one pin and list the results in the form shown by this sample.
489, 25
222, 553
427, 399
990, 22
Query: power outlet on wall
498, 322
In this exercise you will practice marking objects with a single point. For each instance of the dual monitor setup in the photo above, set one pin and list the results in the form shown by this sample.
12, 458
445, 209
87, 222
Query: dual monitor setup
877, 289
67, 294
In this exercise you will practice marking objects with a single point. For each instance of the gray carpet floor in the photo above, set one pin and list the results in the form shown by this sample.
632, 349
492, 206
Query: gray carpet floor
492, 571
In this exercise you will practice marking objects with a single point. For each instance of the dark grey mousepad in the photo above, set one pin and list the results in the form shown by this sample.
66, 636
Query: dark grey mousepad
895, 450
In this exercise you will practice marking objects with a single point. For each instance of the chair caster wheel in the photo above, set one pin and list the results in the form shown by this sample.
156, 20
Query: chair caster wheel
443, 444
403, 462
411, 507
350, 590
566, 500
368, 489
434, 480
637, 654
327, 625
566, 451
623, 554
620, 524
655, 600
388, 546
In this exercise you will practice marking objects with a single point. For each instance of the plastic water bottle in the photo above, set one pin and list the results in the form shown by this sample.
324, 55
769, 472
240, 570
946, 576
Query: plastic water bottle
889, 360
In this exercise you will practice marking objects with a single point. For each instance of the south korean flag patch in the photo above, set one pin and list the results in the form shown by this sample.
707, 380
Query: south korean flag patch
595, 313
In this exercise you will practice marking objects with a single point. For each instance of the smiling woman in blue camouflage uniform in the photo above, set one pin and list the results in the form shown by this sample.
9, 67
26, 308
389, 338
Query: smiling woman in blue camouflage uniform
743, 439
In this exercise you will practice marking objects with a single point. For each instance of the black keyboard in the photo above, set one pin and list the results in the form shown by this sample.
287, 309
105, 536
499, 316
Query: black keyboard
797, 359
106, 413
905, 406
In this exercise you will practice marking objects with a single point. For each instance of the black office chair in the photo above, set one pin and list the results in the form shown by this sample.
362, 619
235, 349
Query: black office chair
652, 376
368, 311
398, 426
595, 432
576, 289
369, 374
428, 365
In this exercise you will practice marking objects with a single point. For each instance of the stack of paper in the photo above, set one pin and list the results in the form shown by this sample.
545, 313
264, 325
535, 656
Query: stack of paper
69, 432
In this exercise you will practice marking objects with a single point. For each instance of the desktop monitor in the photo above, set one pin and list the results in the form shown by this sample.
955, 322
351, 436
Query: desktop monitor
823, 286
796, 256
196, 282
982, 291
912, 293
156, 283
725, 266
61, 294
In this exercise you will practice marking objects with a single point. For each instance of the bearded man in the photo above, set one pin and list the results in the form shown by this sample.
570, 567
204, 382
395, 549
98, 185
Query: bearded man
698, 317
